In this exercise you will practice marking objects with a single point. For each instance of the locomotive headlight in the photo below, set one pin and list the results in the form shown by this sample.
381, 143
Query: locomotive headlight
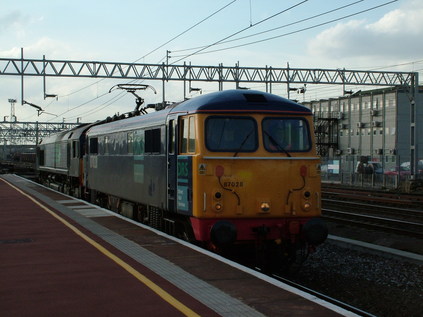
306, 206
217, 195
265, 207
218, 207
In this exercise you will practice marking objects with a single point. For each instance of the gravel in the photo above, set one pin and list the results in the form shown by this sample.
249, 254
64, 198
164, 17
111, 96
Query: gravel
381, 285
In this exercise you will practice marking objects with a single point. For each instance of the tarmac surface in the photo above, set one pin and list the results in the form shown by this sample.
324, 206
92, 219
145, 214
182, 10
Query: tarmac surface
61, 256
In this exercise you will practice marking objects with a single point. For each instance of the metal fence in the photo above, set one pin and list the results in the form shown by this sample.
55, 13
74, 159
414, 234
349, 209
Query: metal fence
381, 173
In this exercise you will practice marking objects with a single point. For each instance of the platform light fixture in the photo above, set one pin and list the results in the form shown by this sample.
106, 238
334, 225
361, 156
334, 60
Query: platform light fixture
51, 96
191, 89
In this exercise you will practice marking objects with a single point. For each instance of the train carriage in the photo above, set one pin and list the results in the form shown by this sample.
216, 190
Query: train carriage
59, 160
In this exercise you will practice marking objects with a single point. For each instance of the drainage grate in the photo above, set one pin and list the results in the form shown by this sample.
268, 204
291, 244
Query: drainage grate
14, 241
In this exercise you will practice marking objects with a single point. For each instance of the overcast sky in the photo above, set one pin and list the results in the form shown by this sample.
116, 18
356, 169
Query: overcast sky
333, 34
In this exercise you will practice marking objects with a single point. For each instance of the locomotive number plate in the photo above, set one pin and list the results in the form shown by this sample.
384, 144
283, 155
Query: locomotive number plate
234, 184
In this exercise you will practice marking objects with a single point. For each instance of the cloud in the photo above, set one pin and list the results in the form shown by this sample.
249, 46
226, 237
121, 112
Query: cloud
404, 21
16, 23
394, 37
56, 49
10, 20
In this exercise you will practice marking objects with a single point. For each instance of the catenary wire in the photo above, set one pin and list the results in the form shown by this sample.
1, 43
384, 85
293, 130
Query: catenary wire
286, 34
187, 30
104, 105
240, 31
276, 28
167, 42
160, 46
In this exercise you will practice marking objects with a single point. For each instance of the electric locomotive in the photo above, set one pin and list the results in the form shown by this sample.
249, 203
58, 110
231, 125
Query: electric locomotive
59, 160
220, 169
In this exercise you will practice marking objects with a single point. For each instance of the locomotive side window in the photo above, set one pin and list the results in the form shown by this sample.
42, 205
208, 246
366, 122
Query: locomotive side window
231, 134
152, 141
172, 135
188, 135
94, 146
57, 154
130, 142
286, 134
138, 143
75, 149
106, 145
41, 158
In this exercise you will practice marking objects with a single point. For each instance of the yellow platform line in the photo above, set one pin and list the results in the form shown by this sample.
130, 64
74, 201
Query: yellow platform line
142, 278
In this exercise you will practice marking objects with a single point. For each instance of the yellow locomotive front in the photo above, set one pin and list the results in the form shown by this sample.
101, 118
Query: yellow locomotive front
256, 178
248, 172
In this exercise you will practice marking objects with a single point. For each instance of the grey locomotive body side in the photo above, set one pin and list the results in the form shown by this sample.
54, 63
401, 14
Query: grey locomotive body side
126, 160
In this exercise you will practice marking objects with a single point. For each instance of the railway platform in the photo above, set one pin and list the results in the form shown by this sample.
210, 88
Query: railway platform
60, 256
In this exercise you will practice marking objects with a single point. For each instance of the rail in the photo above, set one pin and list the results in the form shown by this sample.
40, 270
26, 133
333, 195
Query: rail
324, 297
375, 212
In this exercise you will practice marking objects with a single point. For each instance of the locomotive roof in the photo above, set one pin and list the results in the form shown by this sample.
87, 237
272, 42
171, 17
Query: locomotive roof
73, 133
148, 120
241, 100
228, 101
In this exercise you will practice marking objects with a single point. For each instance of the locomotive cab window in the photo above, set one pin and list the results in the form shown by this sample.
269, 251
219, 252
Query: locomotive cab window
187, 126
231, 134
286, 134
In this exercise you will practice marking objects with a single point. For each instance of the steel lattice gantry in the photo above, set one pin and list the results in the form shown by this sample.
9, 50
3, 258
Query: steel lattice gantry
95, 69
30, 132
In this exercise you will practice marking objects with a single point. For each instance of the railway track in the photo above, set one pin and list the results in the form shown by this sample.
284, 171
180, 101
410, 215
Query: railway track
375, 212
322, 296
386, 198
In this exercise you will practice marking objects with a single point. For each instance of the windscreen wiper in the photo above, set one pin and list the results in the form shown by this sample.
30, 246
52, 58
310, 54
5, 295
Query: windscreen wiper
243, 142
276, 143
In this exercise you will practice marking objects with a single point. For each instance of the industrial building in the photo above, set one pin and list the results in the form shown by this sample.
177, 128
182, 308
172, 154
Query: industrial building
381, 125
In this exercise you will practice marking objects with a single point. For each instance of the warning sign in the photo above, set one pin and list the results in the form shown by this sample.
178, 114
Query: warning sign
202, 169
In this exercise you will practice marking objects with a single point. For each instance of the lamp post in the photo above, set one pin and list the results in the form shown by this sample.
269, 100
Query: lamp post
12, 109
